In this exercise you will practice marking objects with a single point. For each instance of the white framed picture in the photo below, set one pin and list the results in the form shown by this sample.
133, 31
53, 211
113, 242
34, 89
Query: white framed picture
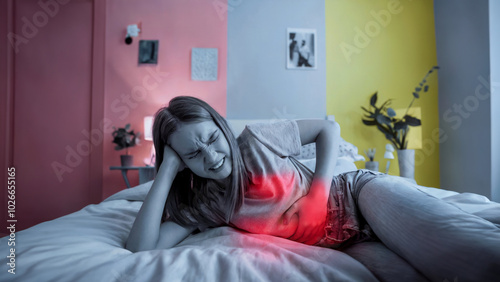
301, 48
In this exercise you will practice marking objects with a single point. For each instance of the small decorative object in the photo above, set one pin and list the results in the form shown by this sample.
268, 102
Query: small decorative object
388, 155
132, 31
396, 129
371, 165
125, 138
301, 48
204, 63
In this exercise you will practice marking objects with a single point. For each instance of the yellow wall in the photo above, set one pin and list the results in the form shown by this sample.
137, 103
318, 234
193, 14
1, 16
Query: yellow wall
398, 53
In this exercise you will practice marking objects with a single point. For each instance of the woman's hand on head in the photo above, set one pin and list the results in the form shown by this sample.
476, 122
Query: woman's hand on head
170, 156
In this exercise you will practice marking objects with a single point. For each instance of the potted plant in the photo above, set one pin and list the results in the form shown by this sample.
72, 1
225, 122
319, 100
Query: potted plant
125, 138
396, 129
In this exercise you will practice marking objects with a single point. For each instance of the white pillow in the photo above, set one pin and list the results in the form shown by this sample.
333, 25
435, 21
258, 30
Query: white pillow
346, 150
344, 164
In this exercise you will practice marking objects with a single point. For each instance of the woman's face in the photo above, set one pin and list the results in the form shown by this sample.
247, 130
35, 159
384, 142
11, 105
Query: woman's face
204, 149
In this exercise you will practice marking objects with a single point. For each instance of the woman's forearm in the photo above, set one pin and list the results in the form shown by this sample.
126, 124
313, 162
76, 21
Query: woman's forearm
327, 147
146, 229
312, 208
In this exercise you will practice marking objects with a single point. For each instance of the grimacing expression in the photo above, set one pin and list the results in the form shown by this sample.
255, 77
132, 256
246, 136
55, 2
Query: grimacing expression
203, 148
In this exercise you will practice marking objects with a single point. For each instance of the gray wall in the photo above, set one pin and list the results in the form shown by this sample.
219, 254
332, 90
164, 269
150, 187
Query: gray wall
463, 52
495, 97
259, 85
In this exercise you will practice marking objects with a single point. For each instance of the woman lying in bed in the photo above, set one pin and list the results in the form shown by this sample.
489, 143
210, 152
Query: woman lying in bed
207, 178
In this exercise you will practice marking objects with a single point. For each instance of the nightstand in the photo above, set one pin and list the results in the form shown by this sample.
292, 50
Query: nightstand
146, 173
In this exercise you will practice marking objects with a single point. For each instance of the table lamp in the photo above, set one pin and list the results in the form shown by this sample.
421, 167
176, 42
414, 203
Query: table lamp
148, 136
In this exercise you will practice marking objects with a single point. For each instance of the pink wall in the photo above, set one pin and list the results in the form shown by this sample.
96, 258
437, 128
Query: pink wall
4, 109
133, 91
76, 73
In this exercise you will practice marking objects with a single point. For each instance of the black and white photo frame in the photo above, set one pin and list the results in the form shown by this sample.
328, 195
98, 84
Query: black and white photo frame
301, 48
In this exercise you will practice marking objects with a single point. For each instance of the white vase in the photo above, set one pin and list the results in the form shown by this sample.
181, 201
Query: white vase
406, 160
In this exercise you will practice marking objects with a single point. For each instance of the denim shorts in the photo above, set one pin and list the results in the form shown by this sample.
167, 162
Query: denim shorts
344, 223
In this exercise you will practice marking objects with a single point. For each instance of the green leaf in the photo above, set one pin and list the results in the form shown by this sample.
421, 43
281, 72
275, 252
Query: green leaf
391, 112
412, 121
124, 138
417, 89
373, 99
400, 125
383, 119
415, 94
369, 122
386, 103
426, 88
386, 132
366, 110
383, 130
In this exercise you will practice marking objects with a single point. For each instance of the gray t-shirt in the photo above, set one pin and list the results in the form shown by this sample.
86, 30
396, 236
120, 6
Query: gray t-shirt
277, 180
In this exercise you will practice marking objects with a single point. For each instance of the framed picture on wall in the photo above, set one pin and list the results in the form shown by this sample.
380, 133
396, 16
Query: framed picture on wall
301, 48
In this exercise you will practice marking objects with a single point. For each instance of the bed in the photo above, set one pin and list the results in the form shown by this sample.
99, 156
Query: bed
88, 245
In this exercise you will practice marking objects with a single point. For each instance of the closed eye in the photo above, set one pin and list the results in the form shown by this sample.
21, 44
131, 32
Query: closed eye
194, 155
212, 140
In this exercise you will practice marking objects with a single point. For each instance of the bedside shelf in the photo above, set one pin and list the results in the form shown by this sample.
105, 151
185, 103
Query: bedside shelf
146, 173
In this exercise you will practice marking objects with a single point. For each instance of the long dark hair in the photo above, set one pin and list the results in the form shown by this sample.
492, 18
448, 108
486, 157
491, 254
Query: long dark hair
192, 200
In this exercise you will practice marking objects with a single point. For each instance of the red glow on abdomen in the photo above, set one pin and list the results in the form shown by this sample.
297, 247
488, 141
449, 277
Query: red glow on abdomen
266, 200
276, 187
